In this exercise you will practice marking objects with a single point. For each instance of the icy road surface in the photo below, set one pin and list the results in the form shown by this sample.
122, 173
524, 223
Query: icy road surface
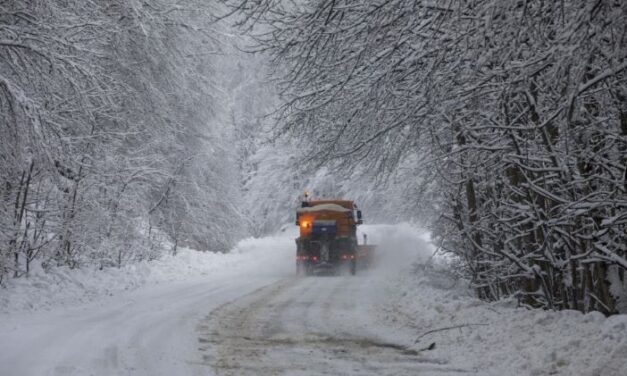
254, 317
312, 326
149, 332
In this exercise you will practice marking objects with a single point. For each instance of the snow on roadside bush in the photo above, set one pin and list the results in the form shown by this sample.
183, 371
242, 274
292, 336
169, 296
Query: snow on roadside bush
65, 286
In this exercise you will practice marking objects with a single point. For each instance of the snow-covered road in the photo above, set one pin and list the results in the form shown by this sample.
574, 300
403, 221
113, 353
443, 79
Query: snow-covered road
246, 313
148, 332
312, 326
196, 325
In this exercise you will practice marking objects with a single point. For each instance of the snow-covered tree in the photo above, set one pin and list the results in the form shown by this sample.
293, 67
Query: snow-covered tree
507, 116
109, 139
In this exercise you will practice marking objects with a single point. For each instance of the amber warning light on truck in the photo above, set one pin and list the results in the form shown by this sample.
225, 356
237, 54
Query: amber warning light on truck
328, 238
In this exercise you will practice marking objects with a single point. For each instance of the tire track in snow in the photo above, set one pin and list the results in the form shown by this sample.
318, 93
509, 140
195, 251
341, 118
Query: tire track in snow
307, 326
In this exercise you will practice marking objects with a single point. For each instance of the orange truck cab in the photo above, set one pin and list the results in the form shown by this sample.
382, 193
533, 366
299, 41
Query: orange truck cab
328, 236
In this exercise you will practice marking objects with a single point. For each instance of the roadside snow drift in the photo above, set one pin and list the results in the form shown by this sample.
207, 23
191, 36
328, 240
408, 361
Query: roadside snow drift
68, 287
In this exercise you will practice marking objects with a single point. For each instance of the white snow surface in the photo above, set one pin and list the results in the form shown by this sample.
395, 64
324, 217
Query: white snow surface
65, 287
500, 339
322, 207
144, 319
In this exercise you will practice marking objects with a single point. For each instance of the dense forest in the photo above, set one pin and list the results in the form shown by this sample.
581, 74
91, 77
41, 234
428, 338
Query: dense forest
504, 121
111, 135
131, 128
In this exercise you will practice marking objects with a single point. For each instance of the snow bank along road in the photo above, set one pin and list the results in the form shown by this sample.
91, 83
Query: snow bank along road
247, 314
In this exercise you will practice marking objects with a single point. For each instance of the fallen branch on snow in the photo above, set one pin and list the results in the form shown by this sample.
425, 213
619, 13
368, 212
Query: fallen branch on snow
446, 328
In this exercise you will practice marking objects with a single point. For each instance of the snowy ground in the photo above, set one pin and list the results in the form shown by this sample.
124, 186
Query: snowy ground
245, 313
499, 339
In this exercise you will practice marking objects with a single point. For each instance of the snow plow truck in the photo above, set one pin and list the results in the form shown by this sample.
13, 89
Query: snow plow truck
328, 238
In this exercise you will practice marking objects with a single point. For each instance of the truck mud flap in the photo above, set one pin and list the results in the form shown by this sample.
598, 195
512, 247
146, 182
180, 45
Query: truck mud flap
324, 268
